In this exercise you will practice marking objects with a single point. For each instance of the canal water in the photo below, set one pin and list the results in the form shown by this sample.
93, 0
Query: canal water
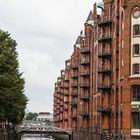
36, 138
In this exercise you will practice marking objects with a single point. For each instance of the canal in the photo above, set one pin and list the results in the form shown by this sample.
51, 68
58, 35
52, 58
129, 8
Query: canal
60, 137
36, 138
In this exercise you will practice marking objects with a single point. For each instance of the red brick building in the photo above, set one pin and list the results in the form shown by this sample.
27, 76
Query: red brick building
103, 76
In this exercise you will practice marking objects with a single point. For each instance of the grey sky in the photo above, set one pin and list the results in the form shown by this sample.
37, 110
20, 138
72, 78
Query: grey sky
45, 31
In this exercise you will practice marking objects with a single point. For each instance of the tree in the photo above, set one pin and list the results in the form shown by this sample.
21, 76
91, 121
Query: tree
31, 116
12, 98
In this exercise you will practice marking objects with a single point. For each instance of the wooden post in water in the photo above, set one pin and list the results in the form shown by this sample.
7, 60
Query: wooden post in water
18, 136
5, 135
71, 137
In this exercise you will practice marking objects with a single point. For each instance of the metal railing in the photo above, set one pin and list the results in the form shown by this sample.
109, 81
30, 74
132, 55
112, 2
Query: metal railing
66, 101
84, 73
104, 53
84, 61
74, 75
74, 66
66, 85
74, 116
85, 50
104, 109
73, 94
105, 36
85, 84
73, 102
104, 69
74, 84
104, 85
84, 97
84, 113
104, 20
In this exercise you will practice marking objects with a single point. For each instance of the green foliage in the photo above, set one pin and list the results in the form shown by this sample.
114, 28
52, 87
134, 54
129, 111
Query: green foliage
12, 99
48, 122
31, 116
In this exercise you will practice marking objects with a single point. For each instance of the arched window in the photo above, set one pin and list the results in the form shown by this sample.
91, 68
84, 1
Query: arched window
135, 93
136, 12
136, 69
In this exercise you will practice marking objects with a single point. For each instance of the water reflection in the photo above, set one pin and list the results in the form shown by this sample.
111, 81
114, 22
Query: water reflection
36, 138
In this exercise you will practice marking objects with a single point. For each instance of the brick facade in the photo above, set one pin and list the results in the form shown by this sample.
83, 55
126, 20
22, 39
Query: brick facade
102, 96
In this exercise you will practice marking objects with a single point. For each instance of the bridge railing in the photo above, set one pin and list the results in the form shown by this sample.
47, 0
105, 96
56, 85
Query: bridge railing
46, 129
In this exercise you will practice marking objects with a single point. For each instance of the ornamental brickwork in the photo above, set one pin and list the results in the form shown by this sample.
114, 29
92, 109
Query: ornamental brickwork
98, 93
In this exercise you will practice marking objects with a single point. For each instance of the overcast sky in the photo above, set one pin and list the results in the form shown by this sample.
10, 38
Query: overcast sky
45, 31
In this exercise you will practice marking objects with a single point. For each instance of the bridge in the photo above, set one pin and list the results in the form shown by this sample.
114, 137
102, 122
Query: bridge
42, 130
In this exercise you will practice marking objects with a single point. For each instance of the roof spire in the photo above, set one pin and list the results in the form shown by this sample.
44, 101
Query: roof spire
90, 19
90, 16
100, 4
77, 43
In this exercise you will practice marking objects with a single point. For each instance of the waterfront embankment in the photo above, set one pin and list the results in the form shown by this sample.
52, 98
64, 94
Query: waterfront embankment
9, 135
60, 137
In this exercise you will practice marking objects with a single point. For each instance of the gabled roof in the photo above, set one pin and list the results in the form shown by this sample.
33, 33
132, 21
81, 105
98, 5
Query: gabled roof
78, 40
90, 19
90, 16
77, 43
100, 5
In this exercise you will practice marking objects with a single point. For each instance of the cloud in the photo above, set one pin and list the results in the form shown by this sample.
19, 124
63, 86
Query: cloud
45, 31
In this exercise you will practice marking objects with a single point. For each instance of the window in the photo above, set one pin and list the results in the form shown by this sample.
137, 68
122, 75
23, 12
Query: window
135, 68
122, 63
136, 93
136, 30
136, 49
121, 93
122, 21
136, 120
121, 120
136, 12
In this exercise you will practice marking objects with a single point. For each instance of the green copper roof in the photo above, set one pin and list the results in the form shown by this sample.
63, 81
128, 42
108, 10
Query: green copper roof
90, 19
77, 44
100, 5
91, 22
90, 16
61, 92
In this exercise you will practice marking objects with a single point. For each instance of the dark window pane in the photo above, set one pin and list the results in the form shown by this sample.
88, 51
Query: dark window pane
121, 94
135, 120
136, 30
136, 49
136, 69
136, 93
